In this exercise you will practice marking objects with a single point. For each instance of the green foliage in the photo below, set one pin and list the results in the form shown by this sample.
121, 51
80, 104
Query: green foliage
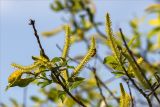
58, 78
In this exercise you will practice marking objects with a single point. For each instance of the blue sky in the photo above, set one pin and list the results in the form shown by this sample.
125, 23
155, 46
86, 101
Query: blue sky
17, 43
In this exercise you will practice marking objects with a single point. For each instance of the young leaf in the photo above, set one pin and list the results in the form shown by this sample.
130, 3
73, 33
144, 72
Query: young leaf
62, 95
75, 85
24, 82
74, 79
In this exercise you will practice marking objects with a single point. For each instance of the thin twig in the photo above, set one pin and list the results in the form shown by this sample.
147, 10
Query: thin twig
130, 92
99, 87
110, 92
32, 23
154, 89
25, 97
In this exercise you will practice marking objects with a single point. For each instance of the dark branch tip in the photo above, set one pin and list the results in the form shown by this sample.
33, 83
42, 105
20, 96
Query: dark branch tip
32, 22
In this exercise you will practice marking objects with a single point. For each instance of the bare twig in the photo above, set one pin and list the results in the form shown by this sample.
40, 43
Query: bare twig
32, 23
110, 92
130, 92
154, 89
25, 97
99, 87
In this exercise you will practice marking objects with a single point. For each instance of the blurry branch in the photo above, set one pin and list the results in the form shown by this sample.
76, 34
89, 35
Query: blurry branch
130, 92
110, 92
154, 89
25, 97
99, 87
140, 69
32, 22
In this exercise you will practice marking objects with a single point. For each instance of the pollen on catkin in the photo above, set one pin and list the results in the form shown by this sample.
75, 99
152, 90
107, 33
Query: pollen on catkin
87, 57
66, 47
67, 41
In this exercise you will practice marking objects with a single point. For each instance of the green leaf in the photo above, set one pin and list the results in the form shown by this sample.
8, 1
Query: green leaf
70, 67
62, 95
118, 74
24, 82
74, 79
112, 62
36, 99
56, 59
154, 31
35, 58
75, 84
44, 83
57, 6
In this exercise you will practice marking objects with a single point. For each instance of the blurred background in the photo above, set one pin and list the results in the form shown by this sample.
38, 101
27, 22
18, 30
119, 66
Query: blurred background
17, 43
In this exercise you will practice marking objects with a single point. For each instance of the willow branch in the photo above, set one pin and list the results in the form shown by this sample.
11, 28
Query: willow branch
32, 23
142, 73
99, 87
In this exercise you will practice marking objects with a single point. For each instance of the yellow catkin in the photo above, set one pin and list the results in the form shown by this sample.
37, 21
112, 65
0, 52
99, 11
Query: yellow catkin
91, 53
30, 67
125, 100
66, 47
53, 32
67, 41
111, 38
15, 76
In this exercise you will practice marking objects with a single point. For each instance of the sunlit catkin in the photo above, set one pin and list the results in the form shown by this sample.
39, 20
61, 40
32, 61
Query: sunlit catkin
91, 53
15, 76
66, 47
111, 38
67, 41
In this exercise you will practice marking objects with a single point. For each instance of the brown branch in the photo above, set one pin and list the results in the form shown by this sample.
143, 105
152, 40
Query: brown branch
25, 97
32, 23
